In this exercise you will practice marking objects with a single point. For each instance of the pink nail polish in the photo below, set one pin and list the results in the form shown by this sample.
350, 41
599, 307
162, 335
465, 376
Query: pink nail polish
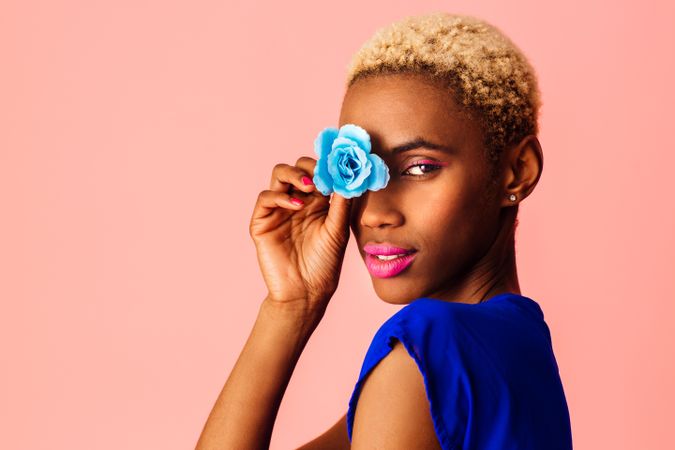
306, 180
297, 201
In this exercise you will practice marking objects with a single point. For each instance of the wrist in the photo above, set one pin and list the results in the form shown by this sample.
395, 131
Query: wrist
297, 315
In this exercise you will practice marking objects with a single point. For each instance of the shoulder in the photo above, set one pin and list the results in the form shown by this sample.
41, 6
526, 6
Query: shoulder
393, 409
426, 321
413, 381
421, 314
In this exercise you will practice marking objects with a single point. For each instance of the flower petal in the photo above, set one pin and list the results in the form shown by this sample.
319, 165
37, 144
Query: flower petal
346, 193
343, 142
380, 173
324, 141
334, 160
356, 133
365, 167
322, 178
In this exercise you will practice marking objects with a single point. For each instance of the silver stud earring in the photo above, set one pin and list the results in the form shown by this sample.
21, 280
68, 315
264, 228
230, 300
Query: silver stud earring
512, 197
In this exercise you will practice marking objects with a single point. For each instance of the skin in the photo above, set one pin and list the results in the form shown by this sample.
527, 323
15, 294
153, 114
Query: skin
459, 220
462, 229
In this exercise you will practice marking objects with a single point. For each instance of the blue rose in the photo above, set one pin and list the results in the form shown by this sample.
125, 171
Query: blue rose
345, 164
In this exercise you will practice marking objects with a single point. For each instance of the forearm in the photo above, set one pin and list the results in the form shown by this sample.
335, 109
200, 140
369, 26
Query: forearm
244, 413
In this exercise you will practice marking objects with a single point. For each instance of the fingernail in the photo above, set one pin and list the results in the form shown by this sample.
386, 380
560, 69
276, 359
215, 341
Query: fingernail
306, 180
297, 201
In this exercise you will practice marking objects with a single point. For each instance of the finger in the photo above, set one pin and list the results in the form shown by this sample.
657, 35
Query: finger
337, 219
268, 201
286, 177
307, 164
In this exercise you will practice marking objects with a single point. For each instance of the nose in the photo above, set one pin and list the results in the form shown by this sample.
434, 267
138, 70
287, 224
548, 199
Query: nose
379, 209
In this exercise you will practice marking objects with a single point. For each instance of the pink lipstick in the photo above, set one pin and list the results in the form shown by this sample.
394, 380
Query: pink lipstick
385, 260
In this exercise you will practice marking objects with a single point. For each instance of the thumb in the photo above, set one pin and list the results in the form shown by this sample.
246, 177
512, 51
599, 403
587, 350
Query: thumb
339, 208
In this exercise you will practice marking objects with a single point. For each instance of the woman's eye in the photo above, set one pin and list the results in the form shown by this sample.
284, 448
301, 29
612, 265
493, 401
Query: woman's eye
428, 167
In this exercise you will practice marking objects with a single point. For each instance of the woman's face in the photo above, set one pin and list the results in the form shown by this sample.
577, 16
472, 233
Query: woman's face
443, 209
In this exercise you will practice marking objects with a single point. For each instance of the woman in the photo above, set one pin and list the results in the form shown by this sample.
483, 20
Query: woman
450, 105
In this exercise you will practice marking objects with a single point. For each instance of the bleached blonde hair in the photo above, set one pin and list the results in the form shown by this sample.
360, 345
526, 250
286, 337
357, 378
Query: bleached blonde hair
489, 76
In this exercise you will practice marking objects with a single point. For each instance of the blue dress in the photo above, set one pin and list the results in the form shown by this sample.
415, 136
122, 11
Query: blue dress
489, 371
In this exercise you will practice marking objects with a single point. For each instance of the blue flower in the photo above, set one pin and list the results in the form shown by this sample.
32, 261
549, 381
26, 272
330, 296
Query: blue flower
345, 164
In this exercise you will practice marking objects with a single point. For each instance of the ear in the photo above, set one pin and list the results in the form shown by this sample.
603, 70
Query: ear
522, 169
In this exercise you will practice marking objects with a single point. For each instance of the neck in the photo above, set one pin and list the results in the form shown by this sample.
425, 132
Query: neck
495, 273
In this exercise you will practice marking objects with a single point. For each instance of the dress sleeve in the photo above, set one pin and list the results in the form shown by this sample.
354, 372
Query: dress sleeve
424, 329
490, 374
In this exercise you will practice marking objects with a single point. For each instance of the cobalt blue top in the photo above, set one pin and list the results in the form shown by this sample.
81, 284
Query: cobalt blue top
489, 372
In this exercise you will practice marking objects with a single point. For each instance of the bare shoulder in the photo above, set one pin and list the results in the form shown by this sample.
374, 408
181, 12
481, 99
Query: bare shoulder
392, 411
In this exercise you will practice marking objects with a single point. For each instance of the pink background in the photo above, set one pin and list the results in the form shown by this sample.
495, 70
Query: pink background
136, 135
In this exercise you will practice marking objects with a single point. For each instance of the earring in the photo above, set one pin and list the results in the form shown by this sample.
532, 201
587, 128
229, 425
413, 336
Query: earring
512, 197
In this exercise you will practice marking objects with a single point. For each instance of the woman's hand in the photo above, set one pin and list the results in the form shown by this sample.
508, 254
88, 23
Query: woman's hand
300, 248
300, 251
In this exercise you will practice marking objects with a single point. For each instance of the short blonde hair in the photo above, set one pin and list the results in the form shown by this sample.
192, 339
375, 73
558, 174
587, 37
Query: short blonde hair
490, 77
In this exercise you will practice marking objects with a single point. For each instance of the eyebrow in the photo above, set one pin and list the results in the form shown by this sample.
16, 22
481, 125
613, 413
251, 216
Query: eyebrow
420, 142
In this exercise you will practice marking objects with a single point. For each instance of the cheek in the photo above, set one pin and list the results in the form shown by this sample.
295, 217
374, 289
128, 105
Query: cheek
433, 212
438, 199
444, 214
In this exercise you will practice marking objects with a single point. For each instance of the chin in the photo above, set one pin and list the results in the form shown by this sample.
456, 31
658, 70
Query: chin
389, 292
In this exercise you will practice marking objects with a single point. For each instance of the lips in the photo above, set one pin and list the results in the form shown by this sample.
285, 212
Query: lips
386, 249
391, 266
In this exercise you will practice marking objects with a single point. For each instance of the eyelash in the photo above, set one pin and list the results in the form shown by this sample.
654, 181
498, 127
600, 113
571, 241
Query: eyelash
435, 167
